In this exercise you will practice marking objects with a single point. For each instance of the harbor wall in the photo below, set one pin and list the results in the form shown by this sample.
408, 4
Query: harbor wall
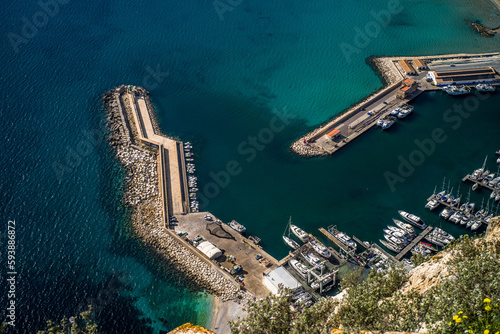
144, 194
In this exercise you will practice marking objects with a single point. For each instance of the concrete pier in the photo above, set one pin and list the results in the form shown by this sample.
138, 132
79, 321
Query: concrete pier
363, 116
413, 243
453, 208
479, 183
172, 166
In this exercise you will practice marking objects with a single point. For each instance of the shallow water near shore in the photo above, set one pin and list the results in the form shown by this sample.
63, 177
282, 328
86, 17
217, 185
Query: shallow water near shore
215, 83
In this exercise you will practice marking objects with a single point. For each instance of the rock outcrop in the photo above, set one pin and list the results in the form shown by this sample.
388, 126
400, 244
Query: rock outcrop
432, 272
190, 329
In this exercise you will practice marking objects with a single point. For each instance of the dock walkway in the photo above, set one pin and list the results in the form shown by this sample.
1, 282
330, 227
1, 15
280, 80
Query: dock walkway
172, 166
448, 205
381, 250
414, 242
479, 183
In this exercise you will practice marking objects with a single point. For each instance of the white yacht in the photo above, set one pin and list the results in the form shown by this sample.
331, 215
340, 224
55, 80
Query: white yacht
342, 237
407, 227
391, 246
326, 280
477, 224
396, 234
394, 240
412, 219
485, 88
312, 259
290, 242
432, 204
298, 267
299, 233
320, 248
405, 112
456, 90
446, 213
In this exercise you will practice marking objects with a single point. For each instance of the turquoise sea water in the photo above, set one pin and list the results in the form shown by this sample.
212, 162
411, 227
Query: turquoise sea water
224, 79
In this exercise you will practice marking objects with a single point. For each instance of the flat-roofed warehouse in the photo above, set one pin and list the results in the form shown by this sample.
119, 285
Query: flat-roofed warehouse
407, 68
465, 76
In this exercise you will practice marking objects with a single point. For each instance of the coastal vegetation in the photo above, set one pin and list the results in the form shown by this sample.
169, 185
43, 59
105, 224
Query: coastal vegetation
464, 299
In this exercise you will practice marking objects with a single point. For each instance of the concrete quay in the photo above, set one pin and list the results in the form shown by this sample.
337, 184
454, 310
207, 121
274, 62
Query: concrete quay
233, 243
356, 120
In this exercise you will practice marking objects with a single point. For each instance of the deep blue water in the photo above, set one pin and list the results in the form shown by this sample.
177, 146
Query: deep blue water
214, 82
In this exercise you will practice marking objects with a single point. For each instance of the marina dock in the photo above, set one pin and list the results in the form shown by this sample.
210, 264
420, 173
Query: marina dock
453, 208
384, 252
479, 183
413, 243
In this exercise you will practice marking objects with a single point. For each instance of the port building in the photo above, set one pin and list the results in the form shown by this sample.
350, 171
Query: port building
407, 68
464, 76
408, 87
419, 64
279, 277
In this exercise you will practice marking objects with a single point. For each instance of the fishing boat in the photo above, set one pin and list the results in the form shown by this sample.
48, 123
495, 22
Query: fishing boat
404, 112
299, 233
300, 268
320, 248
389, 245
456, 90
388, 122
237, 227
412, 219
395, 111
407, 227
485, 88
290, 242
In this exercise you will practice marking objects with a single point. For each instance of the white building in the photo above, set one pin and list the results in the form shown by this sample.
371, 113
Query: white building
279, 277
464, 76
209, 250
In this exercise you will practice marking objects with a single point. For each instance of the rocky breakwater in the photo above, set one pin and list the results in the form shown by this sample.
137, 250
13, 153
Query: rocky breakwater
142, 197
307, 148
191, 264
